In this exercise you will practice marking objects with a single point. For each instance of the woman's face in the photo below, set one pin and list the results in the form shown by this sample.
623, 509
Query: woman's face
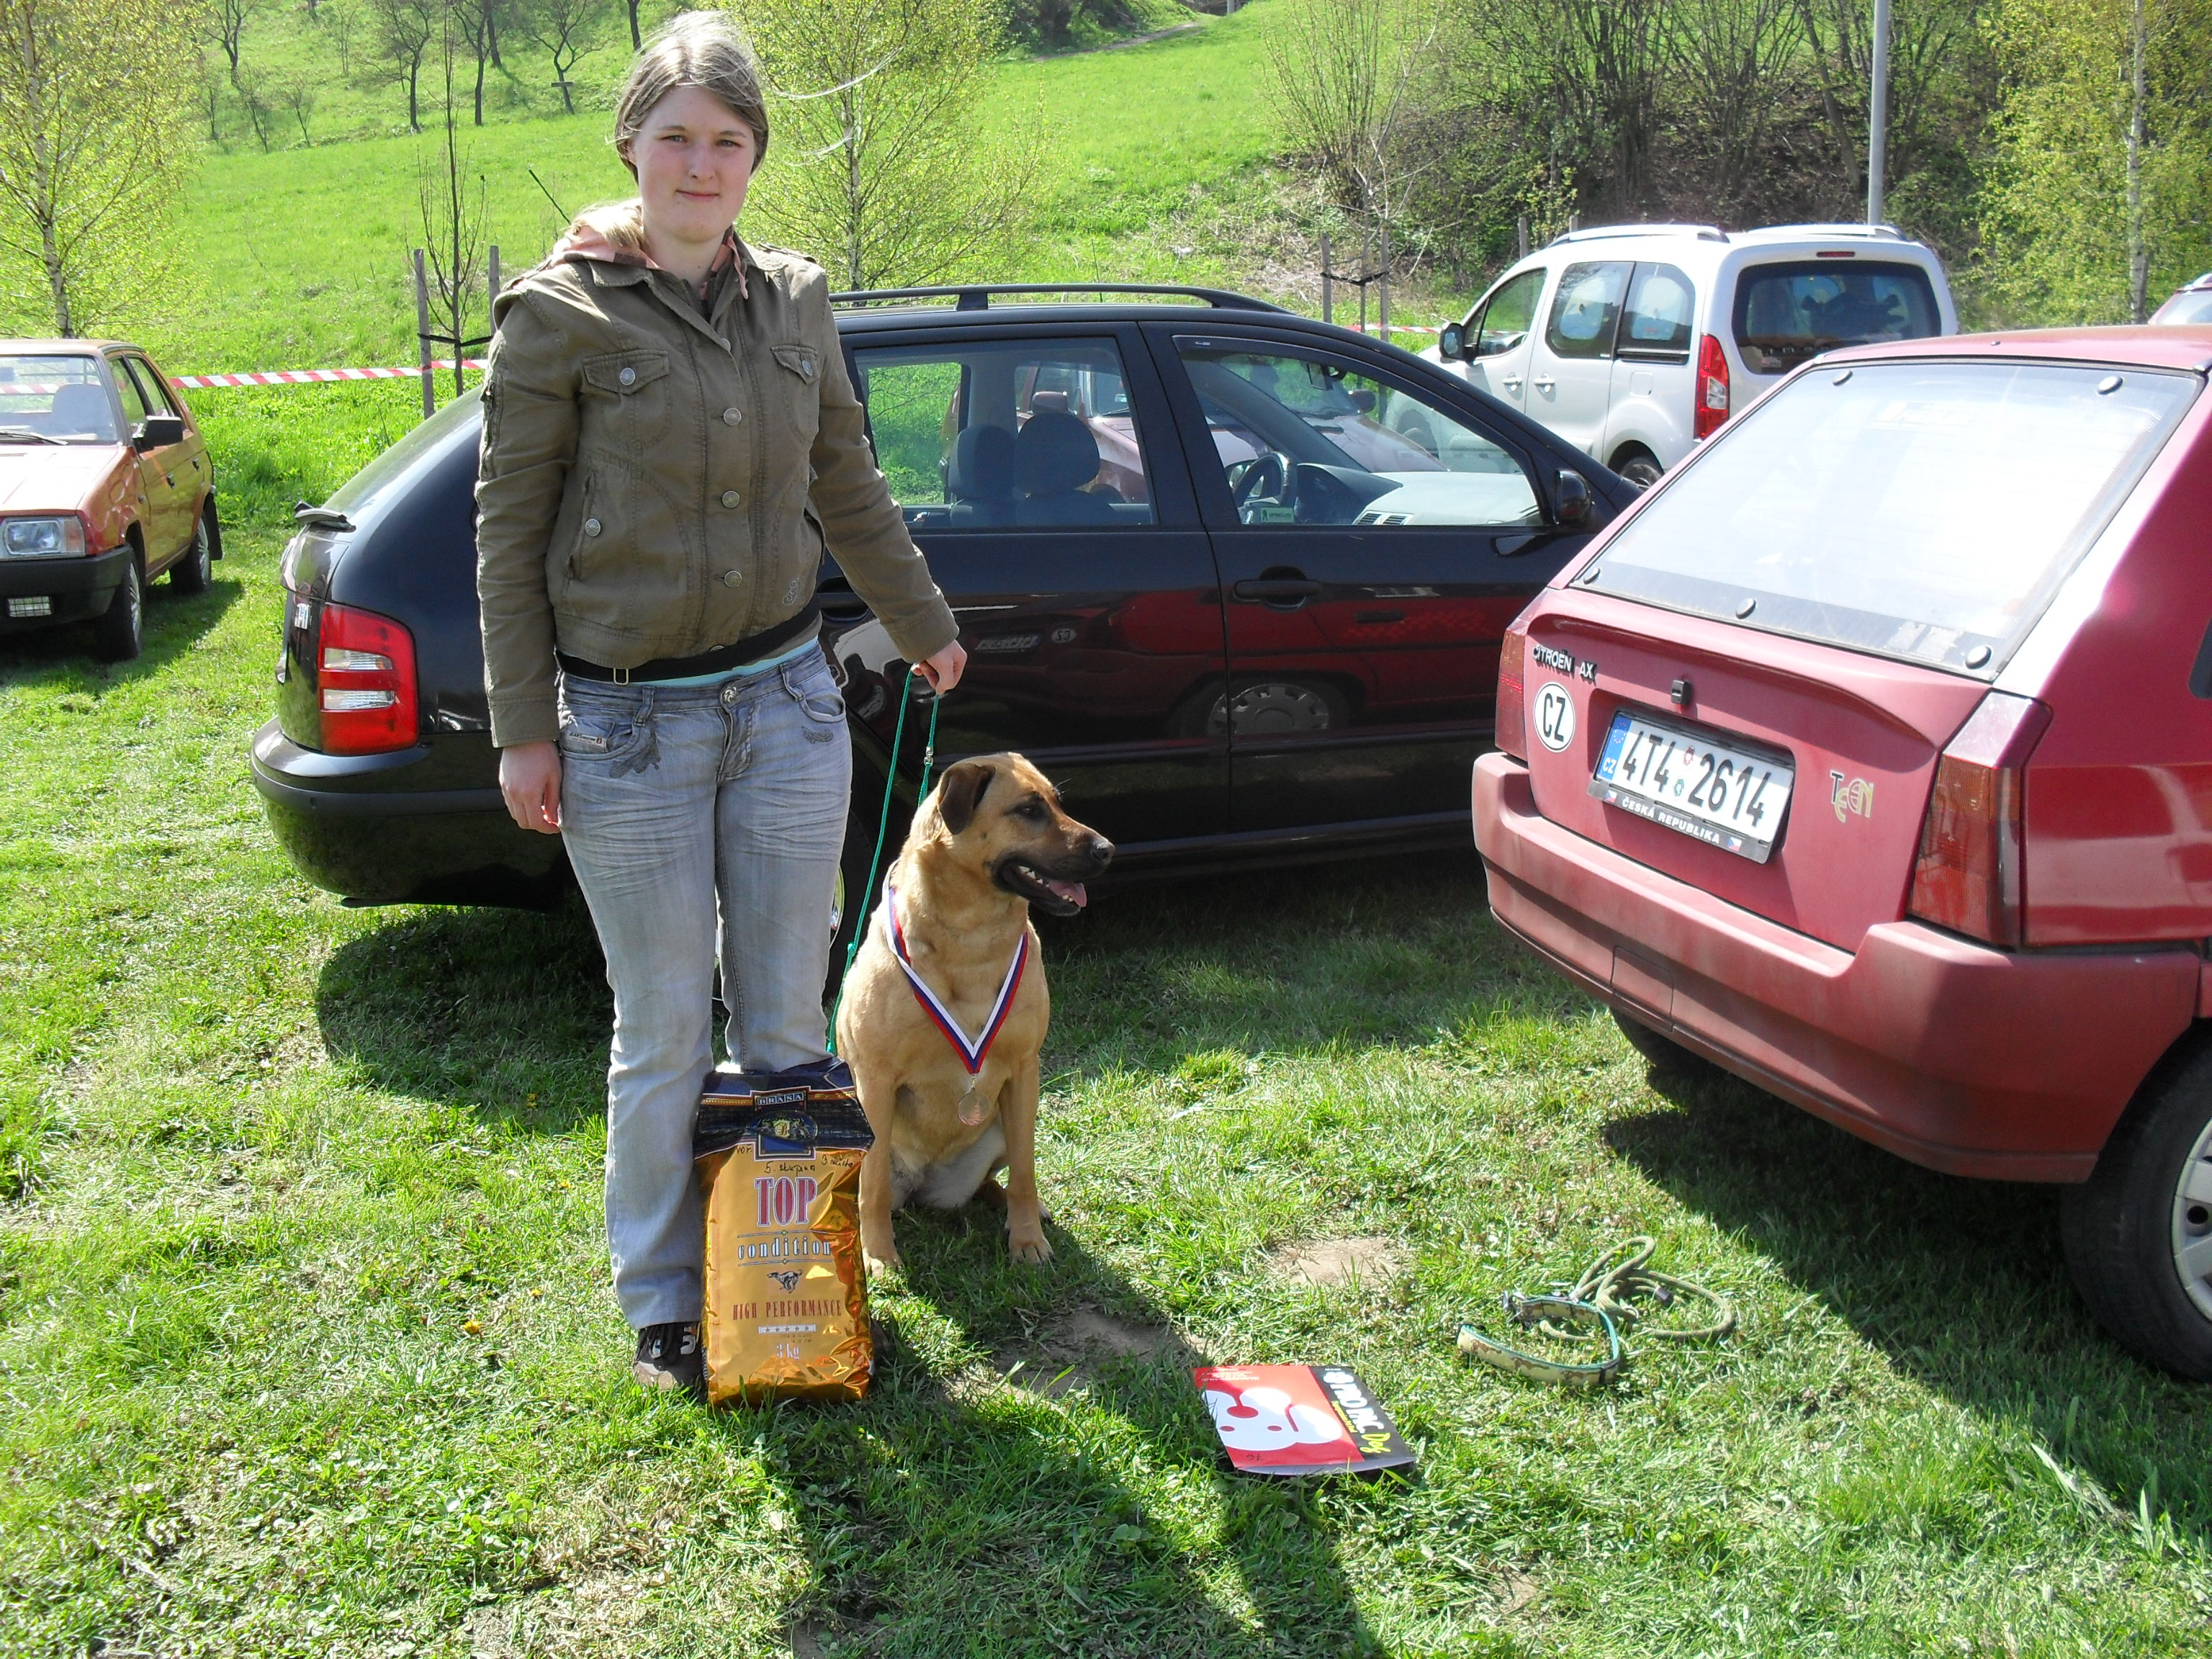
693, 157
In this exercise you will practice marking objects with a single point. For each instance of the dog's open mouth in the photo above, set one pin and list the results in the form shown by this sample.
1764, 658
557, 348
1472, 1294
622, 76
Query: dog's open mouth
1058, 897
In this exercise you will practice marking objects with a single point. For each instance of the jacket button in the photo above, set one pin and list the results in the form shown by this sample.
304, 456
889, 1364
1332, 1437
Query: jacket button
731, 498
591, 526
628, 376
732, 578
732, 416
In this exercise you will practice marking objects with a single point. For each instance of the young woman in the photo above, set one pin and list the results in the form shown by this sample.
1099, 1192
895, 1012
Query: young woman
669, 435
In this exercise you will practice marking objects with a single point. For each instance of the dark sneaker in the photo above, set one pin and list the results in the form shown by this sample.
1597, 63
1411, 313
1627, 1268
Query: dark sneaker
668, 1358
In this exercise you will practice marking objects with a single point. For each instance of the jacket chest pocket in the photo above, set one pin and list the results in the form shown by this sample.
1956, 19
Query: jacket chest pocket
800, 382
626, 396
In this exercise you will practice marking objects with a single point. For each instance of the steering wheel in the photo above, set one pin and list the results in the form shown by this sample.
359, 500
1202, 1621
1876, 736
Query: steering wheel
1266, 477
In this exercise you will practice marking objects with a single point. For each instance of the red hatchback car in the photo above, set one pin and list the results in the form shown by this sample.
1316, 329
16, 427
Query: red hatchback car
1869, 756
105, 483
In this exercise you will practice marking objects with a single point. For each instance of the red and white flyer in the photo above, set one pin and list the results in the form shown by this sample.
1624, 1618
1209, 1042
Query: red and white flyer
1299, 1419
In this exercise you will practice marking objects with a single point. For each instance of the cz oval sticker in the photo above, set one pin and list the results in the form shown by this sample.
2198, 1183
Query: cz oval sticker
1555, 716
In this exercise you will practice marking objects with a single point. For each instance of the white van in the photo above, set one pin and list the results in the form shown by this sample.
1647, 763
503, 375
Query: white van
1633, 342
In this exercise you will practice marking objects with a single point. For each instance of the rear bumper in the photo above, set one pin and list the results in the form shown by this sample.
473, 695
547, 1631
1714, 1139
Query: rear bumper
76, 589
2011, 1065
400, 828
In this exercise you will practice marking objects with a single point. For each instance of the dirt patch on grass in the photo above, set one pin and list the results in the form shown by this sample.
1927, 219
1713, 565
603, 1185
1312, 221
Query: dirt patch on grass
1366, 1260
1069, 1350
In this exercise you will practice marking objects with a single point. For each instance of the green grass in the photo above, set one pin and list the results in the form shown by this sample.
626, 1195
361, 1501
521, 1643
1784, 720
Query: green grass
1157, 167
307, 1344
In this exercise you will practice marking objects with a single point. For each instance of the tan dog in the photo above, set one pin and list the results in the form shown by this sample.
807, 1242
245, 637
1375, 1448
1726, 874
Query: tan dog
990, 841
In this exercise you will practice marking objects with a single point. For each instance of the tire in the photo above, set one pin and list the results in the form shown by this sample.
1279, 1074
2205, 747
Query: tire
1664, 1056
192, 573
2138, 1232
119, 634
1639, 467
852, 887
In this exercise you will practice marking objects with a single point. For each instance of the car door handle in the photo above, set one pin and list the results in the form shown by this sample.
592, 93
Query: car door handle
1277, 590
1543, 385
1511, 382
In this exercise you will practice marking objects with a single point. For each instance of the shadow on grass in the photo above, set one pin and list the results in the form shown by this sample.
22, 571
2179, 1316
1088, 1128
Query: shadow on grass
1961, 1283
504, 1010
173, 624
952, 1512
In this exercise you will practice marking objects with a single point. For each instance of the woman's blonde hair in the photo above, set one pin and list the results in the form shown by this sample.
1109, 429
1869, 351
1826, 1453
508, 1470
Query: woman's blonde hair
693, 49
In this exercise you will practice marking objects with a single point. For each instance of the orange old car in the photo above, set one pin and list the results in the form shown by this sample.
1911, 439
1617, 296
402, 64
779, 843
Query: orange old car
105, 483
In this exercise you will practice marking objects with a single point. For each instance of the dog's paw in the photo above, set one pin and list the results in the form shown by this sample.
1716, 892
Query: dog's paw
1037, 1249
886, 1265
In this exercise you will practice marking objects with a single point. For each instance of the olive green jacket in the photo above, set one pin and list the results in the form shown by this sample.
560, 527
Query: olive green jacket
654, 482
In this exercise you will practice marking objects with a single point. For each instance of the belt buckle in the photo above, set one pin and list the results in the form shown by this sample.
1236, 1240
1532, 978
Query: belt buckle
622, 677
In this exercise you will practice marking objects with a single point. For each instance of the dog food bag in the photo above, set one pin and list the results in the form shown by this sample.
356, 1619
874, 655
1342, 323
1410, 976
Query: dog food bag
778, 1158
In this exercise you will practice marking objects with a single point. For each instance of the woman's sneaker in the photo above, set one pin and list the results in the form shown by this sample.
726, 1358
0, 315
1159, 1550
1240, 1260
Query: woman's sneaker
669, 1359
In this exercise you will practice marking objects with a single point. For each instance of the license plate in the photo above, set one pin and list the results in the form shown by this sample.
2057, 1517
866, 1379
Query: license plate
1695, 782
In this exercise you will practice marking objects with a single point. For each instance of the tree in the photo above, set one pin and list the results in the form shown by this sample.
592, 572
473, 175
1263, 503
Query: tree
1348, 76
569, 31
2102, 175
97, 122
230, 18
405, 30
453, 226
880, 170
478, 23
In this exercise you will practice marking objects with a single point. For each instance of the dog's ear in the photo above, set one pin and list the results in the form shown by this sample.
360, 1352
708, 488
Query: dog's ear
961, 791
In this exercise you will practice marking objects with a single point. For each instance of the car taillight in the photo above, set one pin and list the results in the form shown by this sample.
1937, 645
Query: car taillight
365, 674
1970, 875
1713, 394
1512, 706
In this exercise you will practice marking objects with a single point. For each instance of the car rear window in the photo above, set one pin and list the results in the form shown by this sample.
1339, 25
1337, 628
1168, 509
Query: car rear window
2190, 307
1785, 313
1926, 511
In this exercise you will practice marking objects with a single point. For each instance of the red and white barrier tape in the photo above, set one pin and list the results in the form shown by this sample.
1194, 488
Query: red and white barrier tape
316, 376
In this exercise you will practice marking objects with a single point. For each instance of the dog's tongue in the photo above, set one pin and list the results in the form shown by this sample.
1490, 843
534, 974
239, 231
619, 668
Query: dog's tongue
1071, 891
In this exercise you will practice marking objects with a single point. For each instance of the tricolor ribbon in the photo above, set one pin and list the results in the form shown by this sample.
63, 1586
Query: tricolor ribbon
971, 1053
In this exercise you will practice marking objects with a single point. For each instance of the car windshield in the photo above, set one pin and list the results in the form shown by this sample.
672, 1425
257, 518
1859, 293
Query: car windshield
1926, 510
55, 398
1785, 313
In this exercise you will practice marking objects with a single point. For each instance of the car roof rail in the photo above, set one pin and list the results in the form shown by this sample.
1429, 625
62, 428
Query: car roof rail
976, 296
1596, 232
1826, 232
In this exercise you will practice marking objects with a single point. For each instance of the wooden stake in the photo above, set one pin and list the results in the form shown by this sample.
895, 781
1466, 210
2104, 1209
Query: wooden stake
422, 336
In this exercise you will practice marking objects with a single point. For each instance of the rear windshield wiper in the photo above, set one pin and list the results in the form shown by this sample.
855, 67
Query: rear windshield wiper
309, 516
23, 435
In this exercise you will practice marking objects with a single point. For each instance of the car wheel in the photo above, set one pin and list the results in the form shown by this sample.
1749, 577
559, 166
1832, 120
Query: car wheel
119, 633
1665, 1057
192, 573
1639, 467
853, 895
2138, 1232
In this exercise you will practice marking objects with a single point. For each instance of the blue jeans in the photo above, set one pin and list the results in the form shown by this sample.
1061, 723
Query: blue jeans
699, 820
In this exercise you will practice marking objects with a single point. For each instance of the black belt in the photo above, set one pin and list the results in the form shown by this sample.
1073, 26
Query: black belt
753, 648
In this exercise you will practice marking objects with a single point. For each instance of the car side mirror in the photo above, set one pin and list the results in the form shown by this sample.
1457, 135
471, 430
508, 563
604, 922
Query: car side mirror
1451, 343
1571, 501
158, 431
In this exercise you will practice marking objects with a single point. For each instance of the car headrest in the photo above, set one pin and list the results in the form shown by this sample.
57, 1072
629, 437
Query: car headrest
1058, 454
81, 406
984, 465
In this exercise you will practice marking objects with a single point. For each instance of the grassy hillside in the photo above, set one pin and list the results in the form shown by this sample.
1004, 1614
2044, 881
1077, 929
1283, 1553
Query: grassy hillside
301, 255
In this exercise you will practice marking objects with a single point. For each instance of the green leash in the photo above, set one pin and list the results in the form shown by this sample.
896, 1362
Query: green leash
1601, 1303
884, 825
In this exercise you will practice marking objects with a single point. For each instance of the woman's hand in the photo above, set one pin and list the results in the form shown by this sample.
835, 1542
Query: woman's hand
943, 671
530, 778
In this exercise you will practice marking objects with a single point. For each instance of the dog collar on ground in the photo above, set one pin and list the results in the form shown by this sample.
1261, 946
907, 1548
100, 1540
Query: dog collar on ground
971, 1052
